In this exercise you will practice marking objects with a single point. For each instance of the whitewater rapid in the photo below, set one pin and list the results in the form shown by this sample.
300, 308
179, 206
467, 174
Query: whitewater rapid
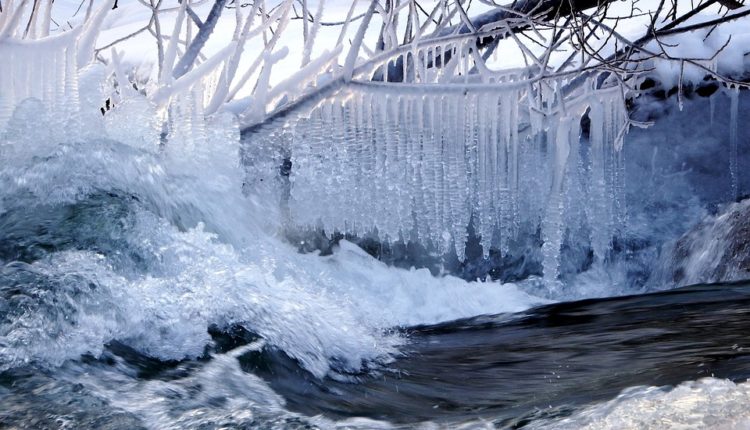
112, 240
113, 245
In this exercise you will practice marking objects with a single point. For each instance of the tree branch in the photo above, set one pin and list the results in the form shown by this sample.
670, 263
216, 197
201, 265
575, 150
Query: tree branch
191, 53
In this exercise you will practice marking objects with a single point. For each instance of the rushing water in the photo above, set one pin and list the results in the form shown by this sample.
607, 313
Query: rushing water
545, 362
113, 317
535, 368
140, 289
112, 255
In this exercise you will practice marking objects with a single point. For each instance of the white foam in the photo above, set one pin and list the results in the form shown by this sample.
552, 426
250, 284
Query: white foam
707, 403
222, 265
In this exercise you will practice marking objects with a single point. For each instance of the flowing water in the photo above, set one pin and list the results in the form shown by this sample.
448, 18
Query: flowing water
139, 288
109, 251
121, 310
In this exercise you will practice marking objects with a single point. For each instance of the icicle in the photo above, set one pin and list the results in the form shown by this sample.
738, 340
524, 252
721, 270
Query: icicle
443, 122
416, 162
514, 184
575, 201
71, 91
494, 175
409, 139
597, 209
430, 184
403, 169
198, 117
354, 121
384, 172
420, 66
618, 199
369, 142
420, 175
553, 228
508, 167
680, 96
459, 174
334, 165
734, 95
404, 66
338, 151
57, 77
486, 154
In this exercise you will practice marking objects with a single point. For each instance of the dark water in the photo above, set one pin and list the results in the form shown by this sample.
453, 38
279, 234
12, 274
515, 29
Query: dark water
509, 369
514, 368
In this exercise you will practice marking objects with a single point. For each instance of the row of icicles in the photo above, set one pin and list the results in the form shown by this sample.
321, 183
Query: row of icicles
411, 164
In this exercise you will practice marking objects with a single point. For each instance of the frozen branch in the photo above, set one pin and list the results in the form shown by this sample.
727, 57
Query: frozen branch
191, 53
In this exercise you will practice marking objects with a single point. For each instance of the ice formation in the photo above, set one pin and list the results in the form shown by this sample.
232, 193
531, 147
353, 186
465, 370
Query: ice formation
734, 97
211, 256
451, 143
42, 69
424, 158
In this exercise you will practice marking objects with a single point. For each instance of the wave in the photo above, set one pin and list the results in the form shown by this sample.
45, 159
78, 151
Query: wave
547, 367
112, 240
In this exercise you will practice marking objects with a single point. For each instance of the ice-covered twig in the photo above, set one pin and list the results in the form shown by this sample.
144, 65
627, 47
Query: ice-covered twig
310, 37
257, 110
192, 51
281, 16
186, 81
170, 55
10, 19
294, 84
230, 68
91, 32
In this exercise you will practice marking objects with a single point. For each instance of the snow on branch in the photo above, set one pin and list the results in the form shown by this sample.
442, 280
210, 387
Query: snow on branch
449, 42
206, 28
